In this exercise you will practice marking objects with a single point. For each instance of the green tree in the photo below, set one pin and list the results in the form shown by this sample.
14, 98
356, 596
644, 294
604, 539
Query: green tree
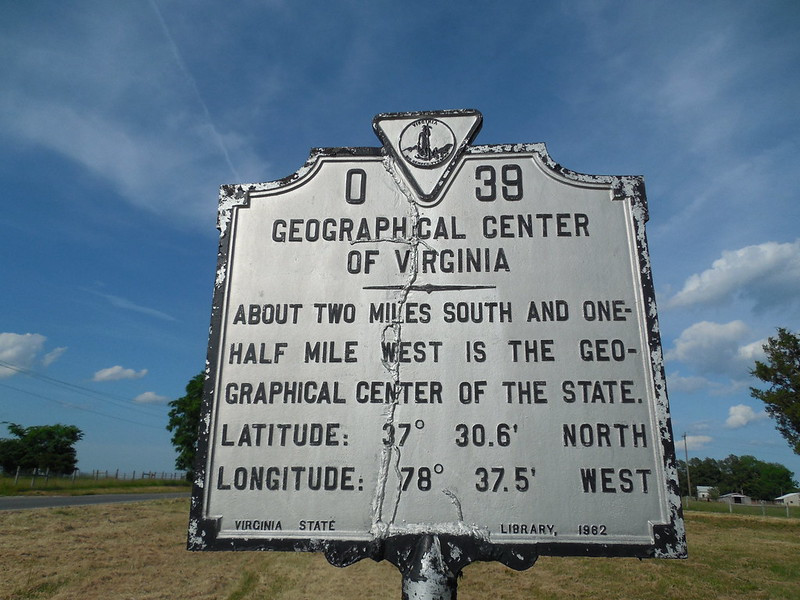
184, 419
43, 447
781, 371
774, 480
704, 471
739, 474
755, 478
11, 454
745, 474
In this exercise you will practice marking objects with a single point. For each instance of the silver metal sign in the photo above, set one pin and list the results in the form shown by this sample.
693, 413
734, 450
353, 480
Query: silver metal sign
434, 338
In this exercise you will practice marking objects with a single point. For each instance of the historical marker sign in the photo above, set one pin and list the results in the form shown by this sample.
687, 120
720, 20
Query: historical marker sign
435, 338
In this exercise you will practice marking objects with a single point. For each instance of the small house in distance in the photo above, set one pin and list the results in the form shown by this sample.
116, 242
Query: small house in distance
736, 499
704, 492
791, 499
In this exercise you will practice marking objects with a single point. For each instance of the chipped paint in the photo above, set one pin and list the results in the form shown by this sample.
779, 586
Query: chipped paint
672, 542
430, 579
449, 545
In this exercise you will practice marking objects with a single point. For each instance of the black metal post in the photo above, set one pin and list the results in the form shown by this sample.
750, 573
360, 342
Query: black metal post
428, 576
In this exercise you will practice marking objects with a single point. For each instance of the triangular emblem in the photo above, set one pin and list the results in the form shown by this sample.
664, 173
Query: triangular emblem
427, 145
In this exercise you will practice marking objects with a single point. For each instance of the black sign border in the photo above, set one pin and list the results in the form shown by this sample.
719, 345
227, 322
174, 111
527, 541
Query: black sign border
457, 550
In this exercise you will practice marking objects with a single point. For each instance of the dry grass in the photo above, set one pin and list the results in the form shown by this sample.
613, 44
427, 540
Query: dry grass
136, 551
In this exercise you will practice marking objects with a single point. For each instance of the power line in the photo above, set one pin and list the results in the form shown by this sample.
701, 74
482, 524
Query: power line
77, 407
121, 401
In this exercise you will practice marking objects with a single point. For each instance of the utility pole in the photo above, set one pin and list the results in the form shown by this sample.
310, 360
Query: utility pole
688, 477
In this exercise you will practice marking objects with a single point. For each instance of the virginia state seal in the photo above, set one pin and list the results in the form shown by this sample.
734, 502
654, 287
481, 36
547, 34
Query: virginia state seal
427, 143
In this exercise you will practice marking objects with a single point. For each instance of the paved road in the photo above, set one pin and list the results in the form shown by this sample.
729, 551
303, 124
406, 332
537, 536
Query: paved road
28, 502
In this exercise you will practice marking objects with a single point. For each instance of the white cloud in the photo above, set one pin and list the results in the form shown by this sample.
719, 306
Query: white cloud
696, 442
19, 350
741, 415
150, 398
752, 352
52, 356
767, 274
716, 348
117, 372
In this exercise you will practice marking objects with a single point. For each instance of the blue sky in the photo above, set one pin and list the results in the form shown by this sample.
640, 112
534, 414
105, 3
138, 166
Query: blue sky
119, 121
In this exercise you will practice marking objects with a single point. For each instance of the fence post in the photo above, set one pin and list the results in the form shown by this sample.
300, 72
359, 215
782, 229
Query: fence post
16, 477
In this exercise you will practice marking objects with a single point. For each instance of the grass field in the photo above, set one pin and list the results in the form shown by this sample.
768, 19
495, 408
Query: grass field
87, 485
136, 551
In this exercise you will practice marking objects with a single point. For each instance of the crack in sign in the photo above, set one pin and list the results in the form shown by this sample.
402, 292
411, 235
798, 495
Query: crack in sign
456, 502
392, 333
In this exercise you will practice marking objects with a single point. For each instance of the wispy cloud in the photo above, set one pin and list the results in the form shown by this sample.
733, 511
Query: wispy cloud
129, 111
52, 356
697, 442
695, 90
702, 98
126, 304
690, 384
693, 384
118, 372
193, 84
767, 274
716, 348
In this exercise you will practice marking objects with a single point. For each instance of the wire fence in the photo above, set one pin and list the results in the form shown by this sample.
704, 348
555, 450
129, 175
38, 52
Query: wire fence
39, 479
756, 508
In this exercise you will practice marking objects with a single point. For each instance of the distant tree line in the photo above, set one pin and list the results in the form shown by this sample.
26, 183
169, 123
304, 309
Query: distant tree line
43, 447
738, 474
